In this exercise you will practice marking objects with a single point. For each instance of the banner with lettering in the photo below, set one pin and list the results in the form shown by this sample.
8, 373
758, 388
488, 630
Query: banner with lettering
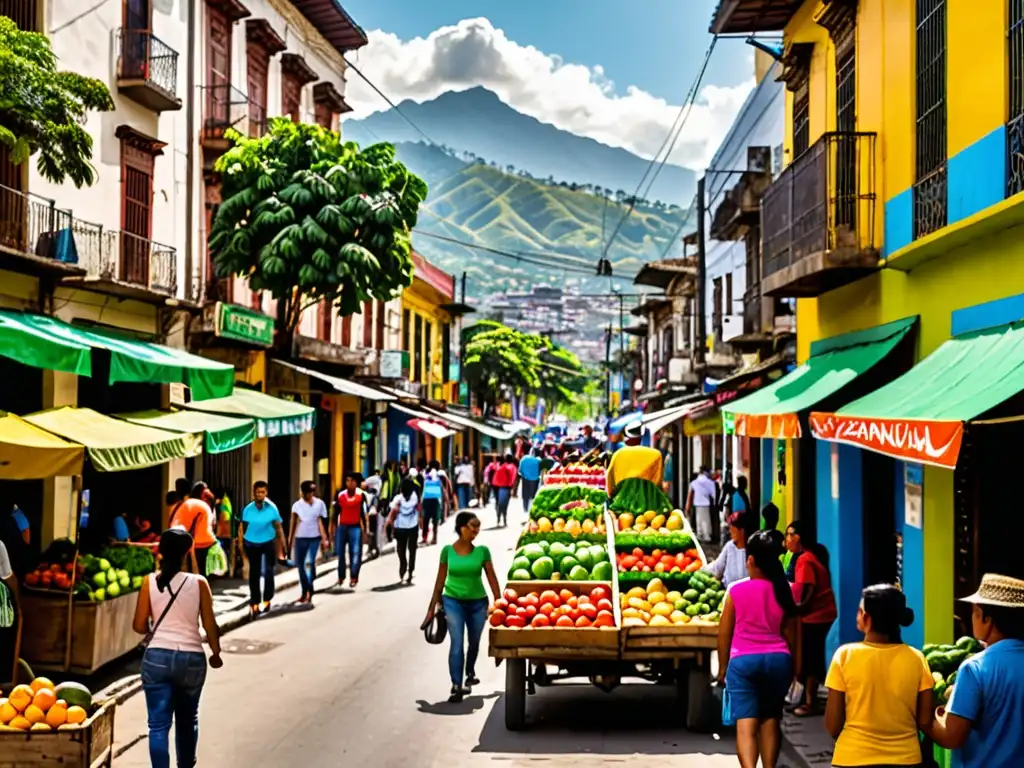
928, 442
781, 426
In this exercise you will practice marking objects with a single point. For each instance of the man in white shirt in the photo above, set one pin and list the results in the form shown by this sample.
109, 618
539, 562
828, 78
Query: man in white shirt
703, 492
465, 478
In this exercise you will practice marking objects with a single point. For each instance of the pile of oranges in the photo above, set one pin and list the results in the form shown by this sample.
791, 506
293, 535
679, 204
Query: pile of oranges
35, 707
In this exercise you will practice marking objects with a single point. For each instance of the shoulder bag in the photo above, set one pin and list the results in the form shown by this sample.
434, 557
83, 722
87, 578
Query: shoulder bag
149, 635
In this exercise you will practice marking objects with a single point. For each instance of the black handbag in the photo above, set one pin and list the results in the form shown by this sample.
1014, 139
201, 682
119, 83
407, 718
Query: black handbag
436, 630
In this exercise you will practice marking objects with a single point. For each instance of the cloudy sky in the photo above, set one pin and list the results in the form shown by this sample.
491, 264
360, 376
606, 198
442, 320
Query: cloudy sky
597, 68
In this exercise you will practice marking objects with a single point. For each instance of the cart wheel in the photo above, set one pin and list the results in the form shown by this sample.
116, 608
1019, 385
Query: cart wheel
515, 694
702, 715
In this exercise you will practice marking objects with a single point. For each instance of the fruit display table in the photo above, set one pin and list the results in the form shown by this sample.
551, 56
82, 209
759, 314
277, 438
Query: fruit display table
89, 745
79, 638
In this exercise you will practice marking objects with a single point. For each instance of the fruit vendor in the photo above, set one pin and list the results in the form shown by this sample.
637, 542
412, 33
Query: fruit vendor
984, 720
634, 460
8, 616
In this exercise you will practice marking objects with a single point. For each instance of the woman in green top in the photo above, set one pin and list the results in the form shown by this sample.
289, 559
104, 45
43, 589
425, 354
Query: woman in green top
464, 599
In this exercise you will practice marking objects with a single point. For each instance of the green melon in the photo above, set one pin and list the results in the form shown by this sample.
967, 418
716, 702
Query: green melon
75, 694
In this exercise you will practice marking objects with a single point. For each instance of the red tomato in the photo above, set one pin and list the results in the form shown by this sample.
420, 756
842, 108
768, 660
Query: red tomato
638, 553
530, 599
574, 614
598, 594
547, 609
650, 561
550, 597
565, 621
531, 611
573, 601
498, 618
681, 559
605, 619
659, 568
627, 562
604, 604
540, 620
589, 610
521, 612
32, 579
656, 554
501, 604
668, 560
565, 594
515, 621
511, 596
583, 621
582, 600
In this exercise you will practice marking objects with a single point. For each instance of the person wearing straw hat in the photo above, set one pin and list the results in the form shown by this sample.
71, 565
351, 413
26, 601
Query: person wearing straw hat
634, 460
984, 721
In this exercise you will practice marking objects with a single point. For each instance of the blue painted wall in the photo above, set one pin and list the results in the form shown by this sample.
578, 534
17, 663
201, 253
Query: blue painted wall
767, 485
913, 561
899, 222
397, 425
991, 314
840, 530
977, 176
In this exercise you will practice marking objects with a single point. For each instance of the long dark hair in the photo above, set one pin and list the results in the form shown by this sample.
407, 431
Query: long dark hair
408, 488
462, 520
887, 607
809, 543
174, 545
762, 549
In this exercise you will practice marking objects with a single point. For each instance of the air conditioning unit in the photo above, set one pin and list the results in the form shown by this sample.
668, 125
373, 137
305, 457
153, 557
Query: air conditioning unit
680, 370
732, 326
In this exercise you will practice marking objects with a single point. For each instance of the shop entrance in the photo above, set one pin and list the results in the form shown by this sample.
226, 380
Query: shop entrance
348, 440
279, 474
878, 519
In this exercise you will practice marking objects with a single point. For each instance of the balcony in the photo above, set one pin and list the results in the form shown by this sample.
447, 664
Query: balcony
740, 208
147, 70
224, 106
35, 235
123, 264
818, 218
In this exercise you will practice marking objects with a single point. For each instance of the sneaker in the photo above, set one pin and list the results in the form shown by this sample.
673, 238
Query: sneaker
254, 611
265, 607
472, 680
457, 694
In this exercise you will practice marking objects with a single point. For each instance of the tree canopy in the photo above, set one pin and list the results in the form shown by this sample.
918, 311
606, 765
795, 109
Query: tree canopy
43, 111
307, 218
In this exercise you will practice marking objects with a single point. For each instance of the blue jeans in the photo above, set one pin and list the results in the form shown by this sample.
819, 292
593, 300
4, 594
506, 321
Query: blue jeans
262, 560
465, 618
465, 492
305, 561
352, 536
529, 491
504, 495
172, 682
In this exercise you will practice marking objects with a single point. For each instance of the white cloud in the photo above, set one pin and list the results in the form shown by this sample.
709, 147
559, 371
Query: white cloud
570, 96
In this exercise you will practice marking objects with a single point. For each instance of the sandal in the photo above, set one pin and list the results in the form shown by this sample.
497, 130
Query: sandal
353, 583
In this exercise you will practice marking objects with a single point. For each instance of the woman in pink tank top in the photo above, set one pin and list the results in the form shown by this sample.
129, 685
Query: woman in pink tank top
756, 642
174, 664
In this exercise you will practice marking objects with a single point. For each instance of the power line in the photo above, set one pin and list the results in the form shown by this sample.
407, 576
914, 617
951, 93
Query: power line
392, 104
673, 135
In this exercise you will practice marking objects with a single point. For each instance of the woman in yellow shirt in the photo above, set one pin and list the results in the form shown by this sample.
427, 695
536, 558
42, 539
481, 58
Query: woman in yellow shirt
879, 690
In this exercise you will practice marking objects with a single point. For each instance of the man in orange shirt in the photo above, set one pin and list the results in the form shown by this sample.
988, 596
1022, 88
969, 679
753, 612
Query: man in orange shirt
196, 517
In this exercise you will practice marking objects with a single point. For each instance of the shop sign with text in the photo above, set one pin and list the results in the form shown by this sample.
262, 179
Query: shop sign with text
928, 442
241, 324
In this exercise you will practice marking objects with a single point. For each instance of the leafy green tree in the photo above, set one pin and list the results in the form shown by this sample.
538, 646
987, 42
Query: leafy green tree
499, 360
308, 218
43, 111
563, 379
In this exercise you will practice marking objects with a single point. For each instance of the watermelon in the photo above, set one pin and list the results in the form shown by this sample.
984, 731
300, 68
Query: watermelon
568, 563
520, 562
598, 554
602, 571
579, 573
542, 568
75, 694
584, 558
557, 551
521, 575
532, 551
6, 607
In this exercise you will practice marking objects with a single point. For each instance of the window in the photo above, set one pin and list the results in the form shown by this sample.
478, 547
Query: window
446, 350
323, 115
728, 293
716, 316
1015, 125
291, 96
367, 324
262, 42
801, 120
325, 316
346, 331
138, 158
22, 12
406, 319
846, 123
379, 318
930, 200
428, 352
667, 346
417, 363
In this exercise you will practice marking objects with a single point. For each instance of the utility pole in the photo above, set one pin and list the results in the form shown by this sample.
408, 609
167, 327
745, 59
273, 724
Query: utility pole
700, 346
608, 370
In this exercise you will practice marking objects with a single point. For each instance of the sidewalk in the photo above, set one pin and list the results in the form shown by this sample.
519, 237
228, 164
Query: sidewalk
806, 743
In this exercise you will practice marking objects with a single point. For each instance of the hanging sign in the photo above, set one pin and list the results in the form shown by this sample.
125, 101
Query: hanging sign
927, 442
913, 494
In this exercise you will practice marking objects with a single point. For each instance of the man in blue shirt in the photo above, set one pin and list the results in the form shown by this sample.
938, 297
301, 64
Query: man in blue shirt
984, 721
529, 471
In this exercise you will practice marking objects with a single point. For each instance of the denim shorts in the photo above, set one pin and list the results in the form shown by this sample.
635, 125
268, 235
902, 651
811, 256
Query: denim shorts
758, 684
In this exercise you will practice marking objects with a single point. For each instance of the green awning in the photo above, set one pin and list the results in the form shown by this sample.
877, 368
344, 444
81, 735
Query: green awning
274, 416
46, 342
920, 416
835, 362
222, 433
115, 445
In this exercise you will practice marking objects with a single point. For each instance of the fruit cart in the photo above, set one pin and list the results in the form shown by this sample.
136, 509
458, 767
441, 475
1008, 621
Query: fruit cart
542, 655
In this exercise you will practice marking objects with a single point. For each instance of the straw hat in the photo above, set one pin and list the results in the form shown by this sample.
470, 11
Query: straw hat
998, 590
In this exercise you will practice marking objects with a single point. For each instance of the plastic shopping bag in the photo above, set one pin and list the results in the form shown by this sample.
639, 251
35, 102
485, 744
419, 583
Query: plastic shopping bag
727, 719
216, 560
795, 695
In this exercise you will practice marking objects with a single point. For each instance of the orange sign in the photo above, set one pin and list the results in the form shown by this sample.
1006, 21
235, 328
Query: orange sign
928, 442
780, 426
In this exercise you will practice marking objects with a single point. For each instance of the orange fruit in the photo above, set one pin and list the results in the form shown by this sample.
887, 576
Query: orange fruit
44, 698
20, 723
76, 715
58, 714
21, 697
40, 727
7, 712
34, 714
41, 682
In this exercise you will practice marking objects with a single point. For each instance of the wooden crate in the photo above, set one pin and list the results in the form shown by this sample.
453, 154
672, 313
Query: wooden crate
679, 637
100, 632
560, 641
90, 746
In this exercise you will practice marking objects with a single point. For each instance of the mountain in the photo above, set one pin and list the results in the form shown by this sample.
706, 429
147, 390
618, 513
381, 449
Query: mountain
477, 121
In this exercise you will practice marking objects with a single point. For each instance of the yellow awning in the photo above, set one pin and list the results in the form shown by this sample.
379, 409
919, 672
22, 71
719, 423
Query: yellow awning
30, 453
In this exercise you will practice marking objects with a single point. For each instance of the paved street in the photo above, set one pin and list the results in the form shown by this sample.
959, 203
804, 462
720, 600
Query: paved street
352, 682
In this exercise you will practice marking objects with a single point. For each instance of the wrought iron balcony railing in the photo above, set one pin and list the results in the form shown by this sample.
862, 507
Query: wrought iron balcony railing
147, 69
119, 256
35, 226
818, 217
224, 107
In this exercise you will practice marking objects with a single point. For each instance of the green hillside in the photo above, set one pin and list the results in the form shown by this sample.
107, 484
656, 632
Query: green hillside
481, 204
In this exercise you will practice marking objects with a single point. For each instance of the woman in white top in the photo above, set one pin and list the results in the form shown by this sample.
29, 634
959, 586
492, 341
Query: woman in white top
406, 516
731, 564
174, 664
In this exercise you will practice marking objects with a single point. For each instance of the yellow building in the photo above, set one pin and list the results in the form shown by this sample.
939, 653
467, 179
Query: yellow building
893, 227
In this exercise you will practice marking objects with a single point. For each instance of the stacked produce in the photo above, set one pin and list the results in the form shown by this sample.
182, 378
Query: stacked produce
557, 560
944, 662
657, 606
658, 560
43, 706
652, 521
116, 571
638, 496
572, 509
548, 608
577, 473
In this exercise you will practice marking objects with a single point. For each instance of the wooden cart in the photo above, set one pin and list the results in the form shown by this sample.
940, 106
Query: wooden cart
540, 657
90, 746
